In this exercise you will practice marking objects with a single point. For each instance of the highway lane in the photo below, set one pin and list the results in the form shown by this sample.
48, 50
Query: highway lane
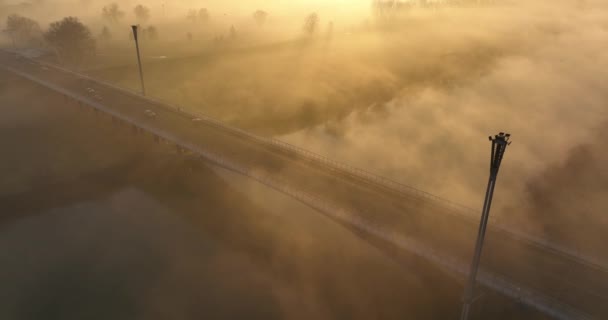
583, 287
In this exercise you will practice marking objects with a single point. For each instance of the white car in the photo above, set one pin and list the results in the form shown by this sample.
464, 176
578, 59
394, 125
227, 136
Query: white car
150, 113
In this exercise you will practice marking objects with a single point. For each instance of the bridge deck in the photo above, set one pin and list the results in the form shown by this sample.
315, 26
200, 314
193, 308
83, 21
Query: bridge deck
555, 275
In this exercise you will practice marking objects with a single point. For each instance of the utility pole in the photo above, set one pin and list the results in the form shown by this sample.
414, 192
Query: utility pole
141, 73
499, 146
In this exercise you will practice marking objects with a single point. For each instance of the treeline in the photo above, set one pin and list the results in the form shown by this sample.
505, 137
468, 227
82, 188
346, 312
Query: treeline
69, 38
72, 41
388, 6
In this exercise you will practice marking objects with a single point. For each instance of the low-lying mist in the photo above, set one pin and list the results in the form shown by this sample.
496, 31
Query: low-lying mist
536, 71
411, 95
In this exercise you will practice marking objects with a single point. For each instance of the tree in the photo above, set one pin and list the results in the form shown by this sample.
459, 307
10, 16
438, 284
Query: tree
233, 34
112, 13
152, 32
142, 13
192, 15
203, 15
105, 34
24, 30
71, 39
260, 17
311, 23
386, 9
330, 30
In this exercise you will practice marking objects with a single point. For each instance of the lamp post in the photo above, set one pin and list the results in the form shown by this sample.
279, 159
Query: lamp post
499, 146
141, 74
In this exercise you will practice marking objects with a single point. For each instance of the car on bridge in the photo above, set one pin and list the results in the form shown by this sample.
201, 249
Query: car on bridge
150, 113
93, 93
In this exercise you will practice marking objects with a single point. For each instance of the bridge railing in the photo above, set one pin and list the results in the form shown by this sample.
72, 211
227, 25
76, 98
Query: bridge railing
352, 218
531, 297
362, 173
454, 208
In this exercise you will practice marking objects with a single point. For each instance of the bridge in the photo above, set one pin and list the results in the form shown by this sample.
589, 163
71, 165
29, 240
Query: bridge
562, 283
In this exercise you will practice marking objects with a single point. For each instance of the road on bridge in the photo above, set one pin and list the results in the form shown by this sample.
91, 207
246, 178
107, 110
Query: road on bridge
556, 275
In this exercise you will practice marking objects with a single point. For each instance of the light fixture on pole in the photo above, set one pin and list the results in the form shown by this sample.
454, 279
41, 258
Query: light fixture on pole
141, 74
499, 146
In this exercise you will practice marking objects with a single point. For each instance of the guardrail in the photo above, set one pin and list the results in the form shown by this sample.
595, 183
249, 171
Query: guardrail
453, 208
530, 297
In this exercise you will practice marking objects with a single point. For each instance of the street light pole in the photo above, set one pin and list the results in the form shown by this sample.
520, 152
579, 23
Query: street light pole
499, 146
141, 73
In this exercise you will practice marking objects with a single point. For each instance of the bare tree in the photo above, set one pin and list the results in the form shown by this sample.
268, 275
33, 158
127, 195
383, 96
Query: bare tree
260, 17
71, 39
112, 13
24, 30
142, 13
311, 24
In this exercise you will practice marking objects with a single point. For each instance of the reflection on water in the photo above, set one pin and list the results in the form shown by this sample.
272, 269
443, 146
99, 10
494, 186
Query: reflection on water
127, 257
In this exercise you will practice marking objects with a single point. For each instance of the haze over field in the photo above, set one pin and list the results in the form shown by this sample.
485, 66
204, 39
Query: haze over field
146, 237
411, 94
